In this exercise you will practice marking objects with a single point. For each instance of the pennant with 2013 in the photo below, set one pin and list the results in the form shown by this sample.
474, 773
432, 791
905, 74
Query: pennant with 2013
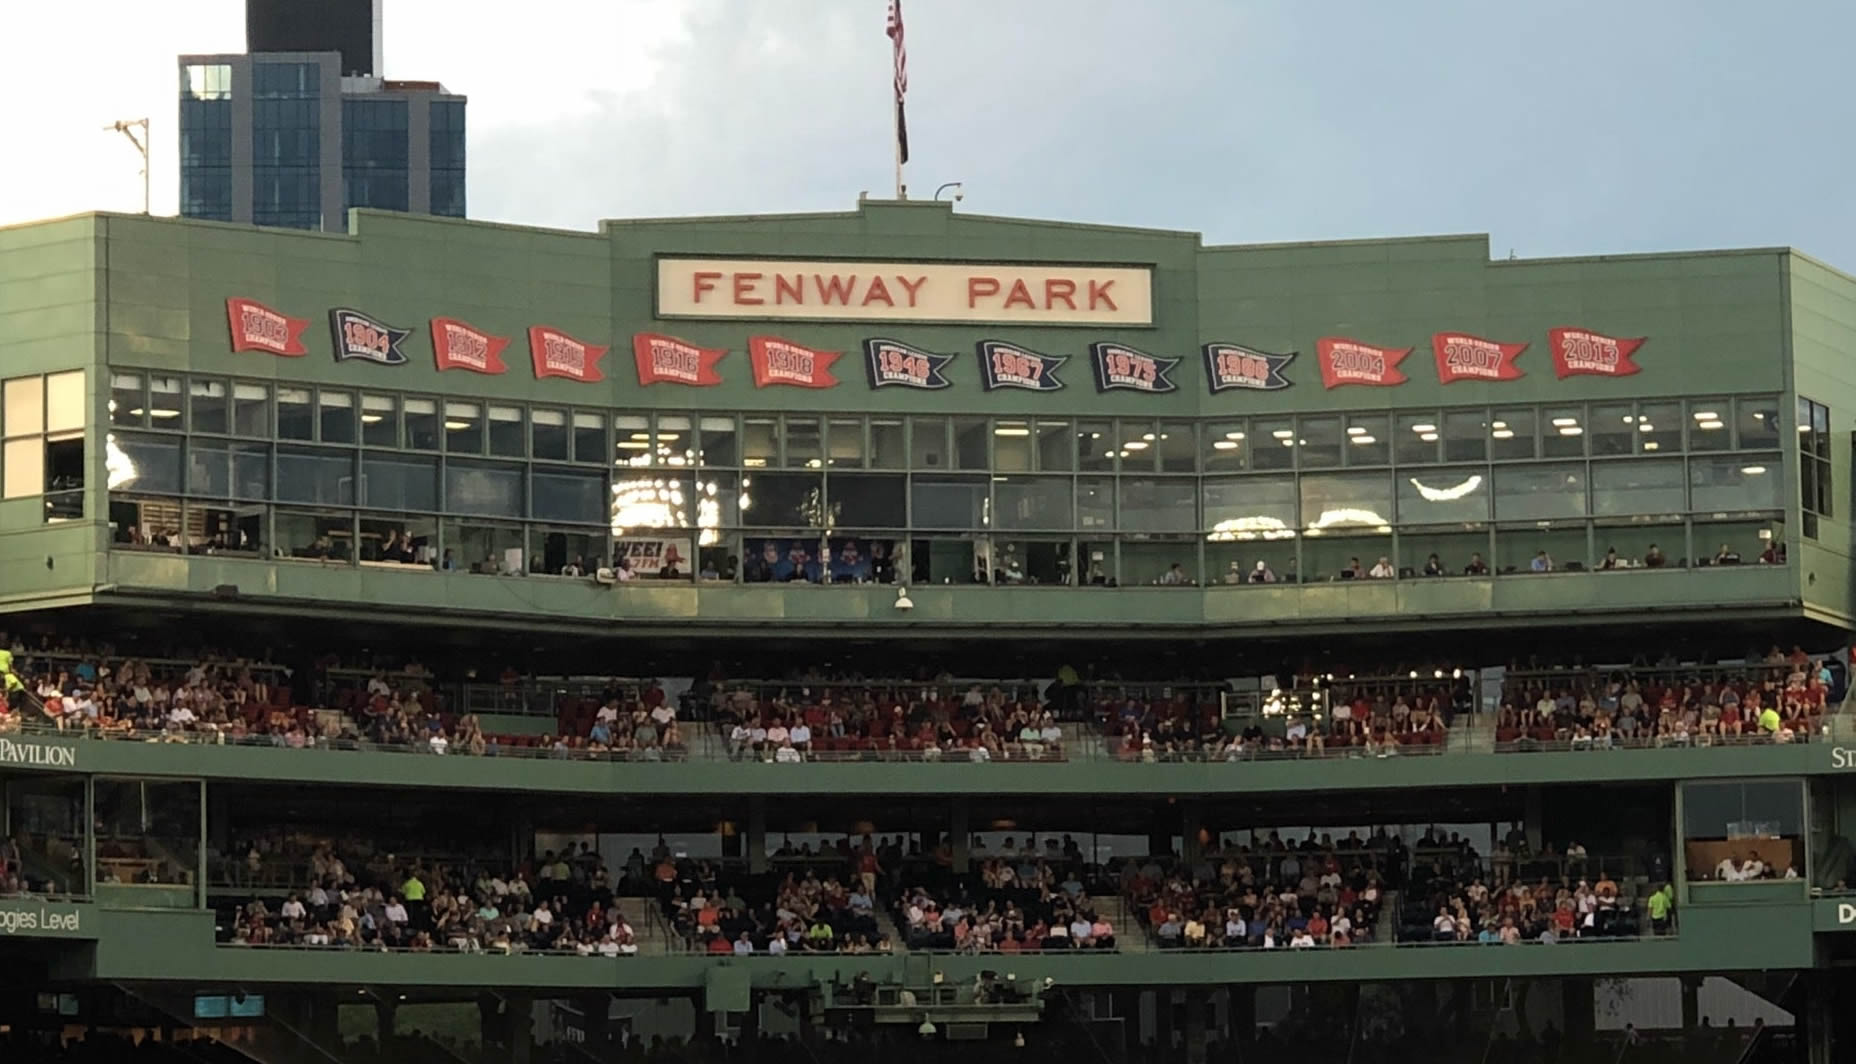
894, 362
778, 361
358, 336
256, 327
557, 354
1236, 366
1007, 365
461, 345
1344, 361
1577, 351
1118, 366
668, 360
1462, 357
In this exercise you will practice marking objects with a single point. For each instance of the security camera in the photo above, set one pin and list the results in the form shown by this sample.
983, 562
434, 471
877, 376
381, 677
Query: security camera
903, 601
958, 196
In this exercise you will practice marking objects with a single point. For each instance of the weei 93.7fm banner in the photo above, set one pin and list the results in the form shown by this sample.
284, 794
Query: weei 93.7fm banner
891, 361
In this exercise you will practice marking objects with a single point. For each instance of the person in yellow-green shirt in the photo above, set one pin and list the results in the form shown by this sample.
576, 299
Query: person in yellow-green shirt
1660, 903
13, 686
1769, 723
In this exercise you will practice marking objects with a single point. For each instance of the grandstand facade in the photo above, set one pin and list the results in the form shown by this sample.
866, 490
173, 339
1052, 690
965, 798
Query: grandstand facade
807, 636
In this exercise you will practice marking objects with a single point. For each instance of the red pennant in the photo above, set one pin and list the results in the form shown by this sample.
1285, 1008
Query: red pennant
460, 345
256, 327
1462, 357
1577, 352
673, 361
1345, 361
778, 361
557, 354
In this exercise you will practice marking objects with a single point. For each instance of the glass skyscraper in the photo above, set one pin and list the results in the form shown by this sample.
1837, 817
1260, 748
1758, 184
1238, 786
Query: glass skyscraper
284, 139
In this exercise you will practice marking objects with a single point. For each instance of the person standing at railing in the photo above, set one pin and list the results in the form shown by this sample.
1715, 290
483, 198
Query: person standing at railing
14, 688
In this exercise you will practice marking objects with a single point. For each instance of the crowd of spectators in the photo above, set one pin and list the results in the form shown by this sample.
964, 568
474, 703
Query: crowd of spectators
1376, 718
929, 722
557, 903
1779, 697
1017, 900
1270, 895
1520, 896
822, 901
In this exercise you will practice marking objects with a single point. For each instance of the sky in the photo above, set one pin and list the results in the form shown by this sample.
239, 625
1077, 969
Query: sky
1559, 127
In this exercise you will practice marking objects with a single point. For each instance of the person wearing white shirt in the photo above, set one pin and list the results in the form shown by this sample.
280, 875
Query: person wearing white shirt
180, 716
786, 755
801, 735
292, 909
378, 686
663, 714
1382, 569
396, 913
608, 713
438, 743
1729, 870
1302, 940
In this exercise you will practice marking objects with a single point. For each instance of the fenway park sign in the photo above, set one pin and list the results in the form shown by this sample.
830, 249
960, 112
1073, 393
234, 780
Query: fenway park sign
765, 289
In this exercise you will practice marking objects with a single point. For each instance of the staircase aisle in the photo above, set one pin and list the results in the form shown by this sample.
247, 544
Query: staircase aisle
646, 918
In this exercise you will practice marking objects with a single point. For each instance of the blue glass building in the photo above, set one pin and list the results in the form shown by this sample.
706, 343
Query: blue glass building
285, 139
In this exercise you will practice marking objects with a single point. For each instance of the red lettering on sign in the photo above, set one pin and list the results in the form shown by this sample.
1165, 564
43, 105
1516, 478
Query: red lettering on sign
1098, 293
1059, 288
744, 288
913, 287
837, 289
1020, 296
785, 288
979, 288
878, 290
703, 281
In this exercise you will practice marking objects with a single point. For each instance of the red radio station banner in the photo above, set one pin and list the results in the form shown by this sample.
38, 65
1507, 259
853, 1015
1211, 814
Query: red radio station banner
1345, 361
256, 327
557, 354
778, 361
1576, 352
1462, 357
460, 345
669, 360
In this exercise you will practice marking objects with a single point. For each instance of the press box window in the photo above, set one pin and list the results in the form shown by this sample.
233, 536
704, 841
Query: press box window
42, 442
1814, 476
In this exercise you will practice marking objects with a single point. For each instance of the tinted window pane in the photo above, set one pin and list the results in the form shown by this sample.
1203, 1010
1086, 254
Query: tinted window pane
1369, 440
399, 483
338, 417
484, 489
1249, 507
1512, 432
209, 406
1031, 503
306, 475
783, 500
1340, 500
1634, 489
1416, 439
590, 438
1537, 493
422, 424
230, 470
1319, 440
1150, 505
128, 406
1758, 422
380, 421
868, 501
1466, 436
580, 497
296, 420
948, 502
1732, 485
145, 464
1443, 496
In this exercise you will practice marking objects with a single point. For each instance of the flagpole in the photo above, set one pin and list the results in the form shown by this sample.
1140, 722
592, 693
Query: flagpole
895, 118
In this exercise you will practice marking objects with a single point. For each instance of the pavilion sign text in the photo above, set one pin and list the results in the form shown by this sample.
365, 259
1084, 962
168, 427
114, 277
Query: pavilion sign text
44, 755
904, 291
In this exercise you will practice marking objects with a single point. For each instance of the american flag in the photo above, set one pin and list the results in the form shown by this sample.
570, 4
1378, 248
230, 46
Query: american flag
894, 31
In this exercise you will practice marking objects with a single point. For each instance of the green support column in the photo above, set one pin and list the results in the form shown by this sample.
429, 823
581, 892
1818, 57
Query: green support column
1243, 1016
961, 841
1691, 1003
520, 1016
1196, 1007
1191, 819
596, 1021
384, 1009
1532, 818
757, 834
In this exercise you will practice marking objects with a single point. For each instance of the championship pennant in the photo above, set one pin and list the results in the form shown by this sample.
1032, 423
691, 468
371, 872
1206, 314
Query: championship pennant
256, 327
359, 336
460, 345
778, 361
1005, 365
668, 360
1345, 361
557, 354
1120, 367
1576, 352
1462, 357
894, 362
1236, 366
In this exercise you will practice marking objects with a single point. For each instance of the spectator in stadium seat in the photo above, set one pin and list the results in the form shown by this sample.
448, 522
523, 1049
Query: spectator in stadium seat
1433, 566
1542, 563
1654, 558
1262, 574
1476, 566
1382, 569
